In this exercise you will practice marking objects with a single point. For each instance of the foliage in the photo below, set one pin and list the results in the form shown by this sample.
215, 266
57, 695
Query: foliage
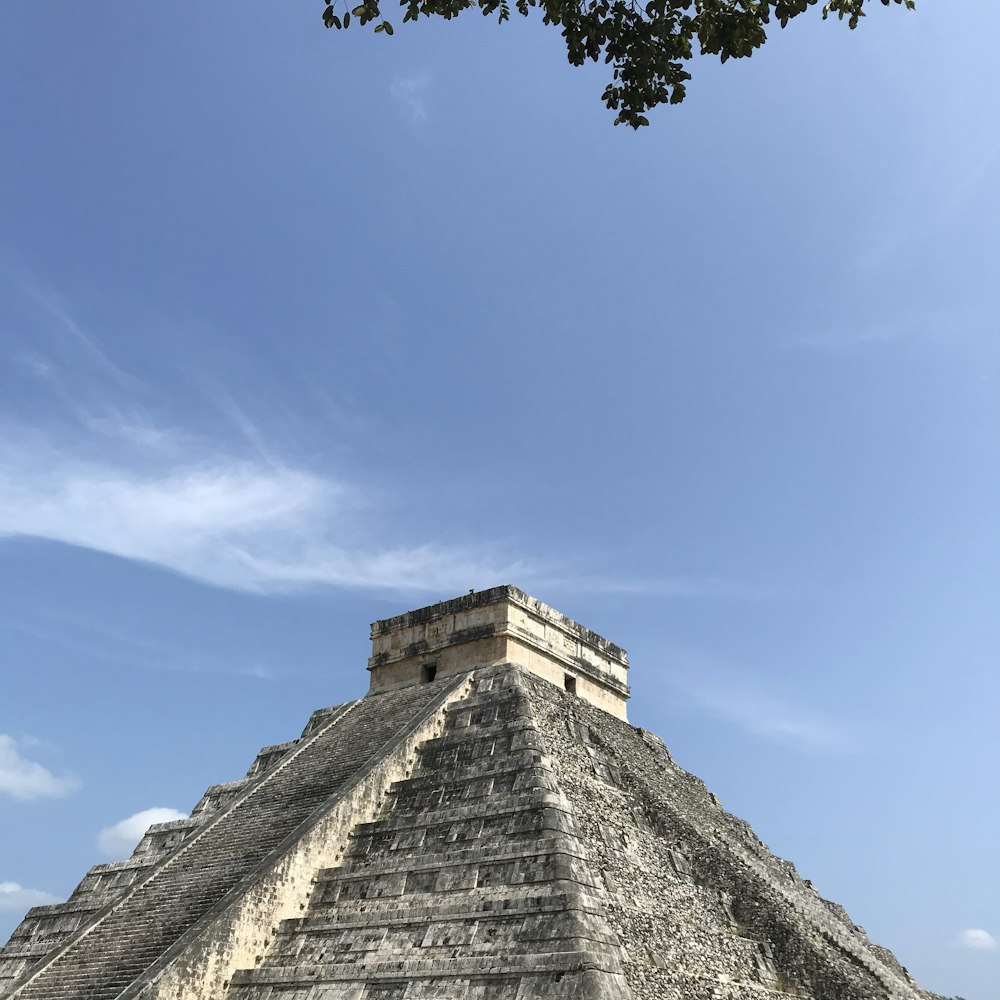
647, 42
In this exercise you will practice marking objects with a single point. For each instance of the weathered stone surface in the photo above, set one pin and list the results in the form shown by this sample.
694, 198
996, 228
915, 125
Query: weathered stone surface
485, 836
472, 883
490, 627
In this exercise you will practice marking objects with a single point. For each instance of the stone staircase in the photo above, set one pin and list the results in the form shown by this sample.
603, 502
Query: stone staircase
472, 883
147, 919
47, 928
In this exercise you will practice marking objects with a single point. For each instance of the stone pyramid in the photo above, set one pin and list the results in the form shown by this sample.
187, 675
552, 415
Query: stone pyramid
483, 824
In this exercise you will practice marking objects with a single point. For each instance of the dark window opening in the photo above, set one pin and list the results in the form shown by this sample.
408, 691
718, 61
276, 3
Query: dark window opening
428, 672
570, 683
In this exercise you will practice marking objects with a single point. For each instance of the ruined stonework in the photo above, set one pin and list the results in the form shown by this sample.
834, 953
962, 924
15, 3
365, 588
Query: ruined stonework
502, 625
487, 834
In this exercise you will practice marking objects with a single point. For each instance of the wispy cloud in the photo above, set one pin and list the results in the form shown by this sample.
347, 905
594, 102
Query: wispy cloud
977, 939
131, 489
15, 898
927, 326
119, 840
947, 184
133, 430
237, 417
744, 701
106, 643
105, 475
849, 338
34, 365
410, 92
23, 778
668, 587
101, 472
220, 519
58, 315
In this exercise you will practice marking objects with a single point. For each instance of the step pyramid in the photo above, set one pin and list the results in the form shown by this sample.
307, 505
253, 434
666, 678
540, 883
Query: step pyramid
484, 825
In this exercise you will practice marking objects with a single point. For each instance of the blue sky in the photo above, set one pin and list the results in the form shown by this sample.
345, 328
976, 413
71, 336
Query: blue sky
299, 329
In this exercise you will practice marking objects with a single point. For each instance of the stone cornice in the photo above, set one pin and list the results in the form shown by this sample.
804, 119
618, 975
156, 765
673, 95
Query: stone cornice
496, 595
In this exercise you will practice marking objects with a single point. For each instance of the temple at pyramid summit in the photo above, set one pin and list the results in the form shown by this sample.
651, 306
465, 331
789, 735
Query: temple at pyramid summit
484, 824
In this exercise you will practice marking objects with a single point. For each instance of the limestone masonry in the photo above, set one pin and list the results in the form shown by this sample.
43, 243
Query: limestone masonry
483, 825
490, 627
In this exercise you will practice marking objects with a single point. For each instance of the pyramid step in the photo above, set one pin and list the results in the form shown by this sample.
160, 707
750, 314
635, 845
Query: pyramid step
486, 822
412, 855
541, 897
410, 803
517, 735
556, 854
469, 753
433, 877
431, 942
530, 800
494, 764
416, 968
509, 772
470, 895
389, 913
474, 835
478, 691
505, 703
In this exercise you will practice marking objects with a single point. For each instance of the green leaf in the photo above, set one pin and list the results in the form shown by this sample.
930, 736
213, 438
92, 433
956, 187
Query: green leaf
646, 44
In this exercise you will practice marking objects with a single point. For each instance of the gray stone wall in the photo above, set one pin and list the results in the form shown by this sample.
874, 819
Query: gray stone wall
702, 906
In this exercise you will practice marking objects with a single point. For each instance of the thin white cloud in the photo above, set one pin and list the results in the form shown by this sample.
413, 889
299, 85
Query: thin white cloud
118, 841
222, 520
949, 185
967, 323
133, 490
106, 476
15, 898
85, 635
35, 365
57, 314
409, 92
236, 416
977, 939
865, 334
669, 587
135, 431
743, 701
23, 778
